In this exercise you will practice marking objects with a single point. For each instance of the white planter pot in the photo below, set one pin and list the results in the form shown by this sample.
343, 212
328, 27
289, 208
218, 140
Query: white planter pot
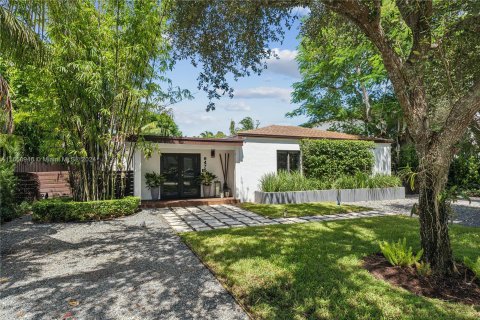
155, 193
207, 191
344, 195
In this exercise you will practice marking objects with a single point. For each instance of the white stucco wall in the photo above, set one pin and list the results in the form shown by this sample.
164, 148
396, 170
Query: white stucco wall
259, 156
383, 159
153, 164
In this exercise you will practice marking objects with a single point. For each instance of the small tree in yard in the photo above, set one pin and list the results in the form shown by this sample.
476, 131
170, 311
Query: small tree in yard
429, 50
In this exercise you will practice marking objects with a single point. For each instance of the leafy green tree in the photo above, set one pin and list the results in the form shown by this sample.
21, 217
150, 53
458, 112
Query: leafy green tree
19, 42
344, 82
209, 134
104, 69
428, 48
206, 134
232, 128
161, 124
246, 123
103, 77
220, 134
345, 85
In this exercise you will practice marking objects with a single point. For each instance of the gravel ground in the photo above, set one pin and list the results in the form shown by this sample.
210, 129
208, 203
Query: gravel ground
106, 270
466, 213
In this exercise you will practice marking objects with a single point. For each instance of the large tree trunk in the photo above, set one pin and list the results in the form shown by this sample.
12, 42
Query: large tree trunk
433, 172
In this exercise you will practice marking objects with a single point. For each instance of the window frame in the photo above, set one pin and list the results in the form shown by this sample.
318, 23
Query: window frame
288, 152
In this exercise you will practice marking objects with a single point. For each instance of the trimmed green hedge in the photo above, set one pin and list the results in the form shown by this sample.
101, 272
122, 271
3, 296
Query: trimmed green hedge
61, 210
329, 159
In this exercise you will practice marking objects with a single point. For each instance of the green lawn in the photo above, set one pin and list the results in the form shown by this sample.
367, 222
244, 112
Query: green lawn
301, 210
312, 270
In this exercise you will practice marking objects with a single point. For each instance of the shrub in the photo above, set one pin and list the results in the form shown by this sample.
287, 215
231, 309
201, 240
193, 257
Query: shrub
63, 210
7, 192
329, 159
295, 181
384, 181
24, 208
290, 181
423, 268
465, 172
359, 180
398, 254
362, 180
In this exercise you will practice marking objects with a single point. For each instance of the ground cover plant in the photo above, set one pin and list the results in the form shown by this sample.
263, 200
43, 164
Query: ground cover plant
313, 270
398, 254
64, 210
301, 209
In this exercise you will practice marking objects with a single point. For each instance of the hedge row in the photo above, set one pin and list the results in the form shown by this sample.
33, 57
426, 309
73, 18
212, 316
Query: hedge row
61, 210
330, 159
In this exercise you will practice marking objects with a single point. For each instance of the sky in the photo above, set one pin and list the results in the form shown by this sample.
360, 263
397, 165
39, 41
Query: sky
265, 98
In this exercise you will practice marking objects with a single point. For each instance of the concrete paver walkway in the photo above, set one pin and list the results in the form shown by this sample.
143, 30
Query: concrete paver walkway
204, 218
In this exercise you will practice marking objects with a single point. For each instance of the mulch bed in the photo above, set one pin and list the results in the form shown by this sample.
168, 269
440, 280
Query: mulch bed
457, 288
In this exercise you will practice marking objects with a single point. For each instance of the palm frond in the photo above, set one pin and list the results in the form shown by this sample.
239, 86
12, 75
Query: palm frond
17, 39
6, 106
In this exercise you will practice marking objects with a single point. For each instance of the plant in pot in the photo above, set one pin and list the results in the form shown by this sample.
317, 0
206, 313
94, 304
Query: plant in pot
206, 179
153, 181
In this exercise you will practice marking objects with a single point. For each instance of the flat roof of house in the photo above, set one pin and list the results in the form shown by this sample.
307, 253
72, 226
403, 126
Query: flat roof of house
231, 141
296, 132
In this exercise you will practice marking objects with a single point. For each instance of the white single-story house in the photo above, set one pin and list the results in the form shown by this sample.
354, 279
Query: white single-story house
250, 155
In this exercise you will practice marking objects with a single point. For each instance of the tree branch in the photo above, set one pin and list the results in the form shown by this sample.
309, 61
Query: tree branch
461, 115
417, 15
408, 83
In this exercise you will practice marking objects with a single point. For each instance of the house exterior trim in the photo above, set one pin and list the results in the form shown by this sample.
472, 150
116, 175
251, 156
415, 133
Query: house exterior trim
191, 140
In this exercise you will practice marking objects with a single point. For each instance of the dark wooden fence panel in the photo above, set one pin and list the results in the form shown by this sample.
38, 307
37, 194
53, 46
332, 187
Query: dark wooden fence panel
28, 187
35, 185
128, 184
39, 166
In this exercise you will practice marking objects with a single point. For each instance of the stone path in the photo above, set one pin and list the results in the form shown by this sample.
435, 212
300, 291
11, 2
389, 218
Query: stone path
204, 218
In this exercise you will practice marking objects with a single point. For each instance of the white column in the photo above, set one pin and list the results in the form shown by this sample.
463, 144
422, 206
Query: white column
137, 174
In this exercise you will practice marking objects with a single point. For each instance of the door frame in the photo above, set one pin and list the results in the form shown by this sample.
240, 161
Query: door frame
180, 185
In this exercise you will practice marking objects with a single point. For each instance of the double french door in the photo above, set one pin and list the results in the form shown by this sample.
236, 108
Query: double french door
181, 172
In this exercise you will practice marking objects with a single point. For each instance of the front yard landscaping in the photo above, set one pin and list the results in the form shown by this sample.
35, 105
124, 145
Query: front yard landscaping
300, 210
314, 270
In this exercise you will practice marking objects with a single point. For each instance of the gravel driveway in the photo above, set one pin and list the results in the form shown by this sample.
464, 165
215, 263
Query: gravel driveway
106, 270
466, 213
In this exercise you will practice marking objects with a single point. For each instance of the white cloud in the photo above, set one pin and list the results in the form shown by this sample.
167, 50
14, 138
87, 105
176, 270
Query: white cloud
235, 106
284, 63
300, 11
264, 93
186, 118
205, 117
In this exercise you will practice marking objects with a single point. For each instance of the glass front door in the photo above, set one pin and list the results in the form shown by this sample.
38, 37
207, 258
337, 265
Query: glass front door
181, 172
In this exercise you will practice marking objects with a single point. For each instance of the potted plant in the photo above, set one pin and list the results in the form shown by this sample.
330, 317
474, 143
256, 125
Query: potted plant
206, 179
153, 181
